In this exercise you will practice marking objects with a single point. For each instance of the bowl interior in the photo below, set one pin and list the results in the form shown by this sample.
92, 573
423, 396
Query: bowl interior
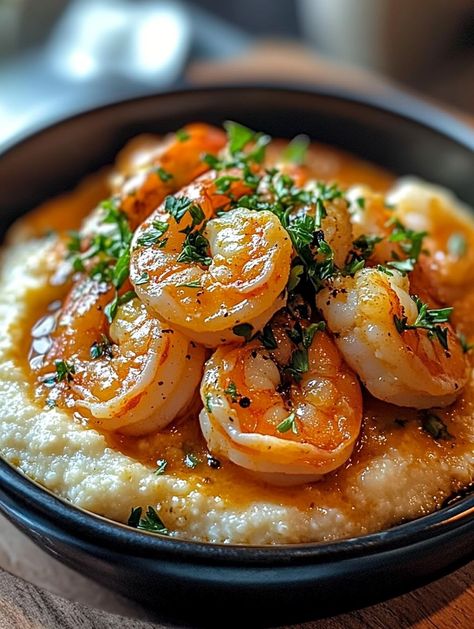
415, 140
424, 142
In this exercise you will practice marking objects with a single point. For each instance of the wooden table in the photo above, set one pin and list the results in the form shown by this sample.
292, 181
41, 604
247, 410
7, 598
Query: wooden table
445, 604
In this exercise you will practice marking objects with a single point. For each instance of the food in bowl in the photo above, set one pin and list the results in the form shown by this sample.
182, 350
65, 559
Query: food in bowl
233, 339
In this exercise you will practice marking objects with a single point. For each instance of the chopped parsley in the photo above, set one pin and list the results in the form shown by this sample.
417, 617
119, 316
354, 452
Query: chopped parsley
296, 273
268, 338
191, 460
238, 136
243, 329
296, 151
409, 241
208, 402
288, 424
193, 284
434, 426
153, 235
231, 391
161, 467
163, 174
428, 319
143, 279
151, 522
64, 371
182, 135
195, 249
101, 348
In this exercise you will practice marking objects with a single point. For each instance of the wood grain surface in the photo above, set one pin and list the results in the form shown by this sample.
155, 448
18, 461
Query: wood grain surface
444, 604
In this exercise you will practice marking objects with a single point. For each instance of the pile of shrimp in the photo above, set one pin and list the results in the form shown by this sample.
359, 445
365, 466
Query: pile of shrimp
219, 273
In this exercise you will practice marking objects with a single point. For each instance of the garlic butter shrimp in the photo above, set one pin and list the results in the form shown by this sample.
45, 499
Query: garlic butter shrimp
449, 265
146, 177
231, 272
403, 366
286, 427
134, 376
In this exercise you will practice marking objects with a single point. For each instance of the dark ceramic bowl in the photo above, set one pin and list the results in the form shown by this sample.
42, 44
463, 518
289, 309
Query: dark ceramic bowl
193, 581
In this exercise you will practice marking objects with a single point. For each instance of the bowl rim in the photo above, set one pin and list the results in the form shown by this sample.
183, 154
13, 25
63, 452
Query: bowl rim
77, 521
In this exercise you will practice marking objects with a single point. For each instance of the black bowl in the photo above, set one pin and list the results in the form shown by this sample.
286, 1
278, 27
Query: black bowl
192, 581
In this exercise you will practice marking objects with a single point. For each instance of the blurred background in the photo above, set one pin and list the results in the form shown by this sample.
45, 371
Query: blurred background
58, 57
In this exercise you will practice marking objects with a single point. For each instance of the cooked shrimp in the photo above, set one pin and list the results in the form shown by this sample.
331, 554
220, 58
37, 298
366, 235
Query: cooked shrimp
134, 377
230, 272
420, 367
449, 224
149, 176
288, 414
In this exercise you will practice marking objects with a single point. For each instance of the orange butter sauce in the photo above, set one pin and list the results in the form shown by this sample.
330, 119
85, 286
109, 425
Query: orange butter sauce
182, 440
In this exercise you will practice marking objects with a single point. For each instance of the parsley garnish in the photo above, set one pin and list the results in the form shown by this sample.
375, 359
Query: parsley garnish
231, 391
111, 308
151, 522
295, 152
428, 319
153, 234
193, 284
143, 279
410, 242
64, 370
288, 424
208, 402
182, 135
101, 348
161, 467
238, 136
163, 174
295, 276
268, 338
434, 426
195, 249
243, 329
191, 460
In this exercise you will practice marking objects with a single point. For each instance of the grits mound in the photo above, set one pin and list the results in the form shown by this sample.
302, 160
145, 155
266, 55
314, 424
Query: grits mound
398, 472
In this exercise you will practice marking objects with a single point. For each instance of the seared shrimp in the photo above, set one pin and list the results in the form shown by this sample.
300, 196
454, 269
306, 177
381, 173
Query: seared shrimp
170, 165
288, 411
134, 377
216, 281
400, 352
449, 224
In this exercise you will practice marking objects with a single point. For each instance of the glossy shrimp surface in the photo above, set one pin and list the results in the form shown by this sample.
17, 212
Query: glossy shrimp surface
449, 261
228, 271
397, 364
286, 426
147, 175
123, 377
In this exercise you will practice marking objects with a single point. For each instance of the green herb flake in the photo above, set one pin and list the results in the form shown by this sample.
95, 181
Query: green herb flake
191, 460
296, 151
238, 136
207, 402
64, 370
434, 426
243, 329
151, 522
268, 338
457, 245
193, 284
288, 424
143, 279
295, 276
101, 348
182, 135
153, 234
231, 391
196, 248
428, 319
161, 467
163, 174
